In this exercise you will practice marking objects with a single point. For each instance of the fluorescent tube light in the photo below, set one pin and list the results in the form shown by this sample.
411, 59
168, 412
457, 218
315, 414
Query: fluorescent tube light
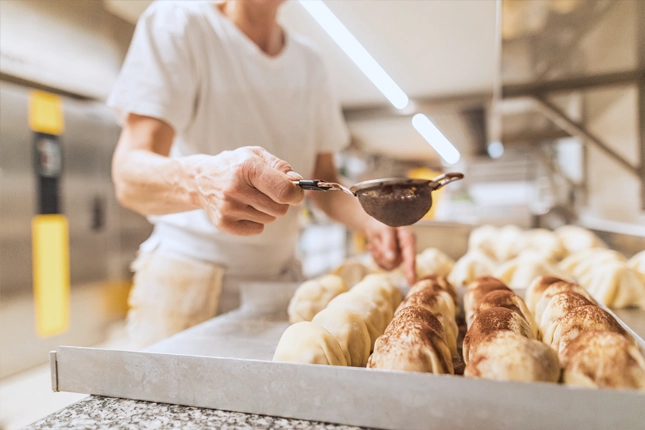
356, 52
435, 138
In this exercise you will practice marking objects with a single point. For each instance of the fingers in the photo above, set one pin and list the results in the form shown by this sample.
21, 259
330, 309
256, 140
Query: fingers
383, 244
241, 227
408, 244
273, 177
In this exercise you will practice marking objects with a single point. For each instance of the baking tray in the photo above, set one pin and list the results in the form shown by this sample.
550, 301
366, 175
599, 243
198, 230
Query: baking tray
225, 364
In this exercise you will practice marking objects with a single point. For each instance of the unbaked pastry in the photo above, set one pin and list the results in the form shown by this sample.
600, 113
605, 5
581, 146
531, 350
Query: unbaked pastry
543, 243
437, 303
349, 329
352, 271
413, 342
557, 307
476, 291
603, 359
508, 356
383, 282
508, 243
637, 262
616, 285
369, 311
580, 320
582, 262
520, 272
482, 239
378, 294
433, 261
312, 296
492, 320
557, 288
574, 238
509, 300
470, 267
308, 343
435, 282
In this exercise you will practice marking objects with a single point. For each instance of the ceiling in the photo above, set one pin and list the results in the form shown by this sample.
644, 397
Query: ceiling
433, 49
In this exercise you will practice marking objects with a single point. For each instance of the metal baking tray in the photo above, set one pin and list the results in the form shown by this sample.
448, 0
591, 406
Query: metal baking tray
225, 364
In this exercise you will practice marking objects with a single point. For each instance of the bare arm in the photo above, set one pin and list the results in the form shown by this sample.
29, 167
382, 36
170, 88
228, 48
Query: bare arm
240, 190
389, 246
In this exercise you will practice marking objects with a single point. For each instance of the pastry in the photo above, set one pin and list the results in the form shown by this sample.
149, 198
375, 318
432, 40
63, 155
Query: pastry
470, 267
603, 359
413, 342
520, 272
574, 239
370, 312
352, 271
556, 288
476, 291
383, 282
580, 320
582, 262
433, 261
637, 262
509, 300
438, 281
616, 285
312, 296
536, 289
543, 243
437, 303
308, 343
378, 295
350, 331
508, 243
556, 308
508, 356
492, 320
482, 239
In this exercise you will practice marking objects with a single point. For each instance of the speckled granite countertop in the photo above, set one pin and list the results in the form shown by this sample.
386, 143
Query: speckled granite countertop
109, 413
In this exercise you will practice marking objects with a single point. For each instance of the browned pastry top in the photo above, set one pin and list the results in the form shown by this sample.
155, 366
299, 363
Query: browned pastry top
434, 281
499, 299
411, 316
428, 298
541, 283
604, 358
486, 281
477, 294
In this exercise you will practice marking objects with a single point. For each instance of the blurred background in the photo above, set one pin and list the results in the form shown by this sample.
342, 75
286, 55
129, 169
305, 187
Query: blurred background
544, 100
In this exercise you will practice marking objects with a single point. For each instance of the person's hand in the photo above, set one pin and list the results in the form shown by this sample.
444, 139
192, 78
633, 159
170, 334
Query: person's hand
392, 246
244, 189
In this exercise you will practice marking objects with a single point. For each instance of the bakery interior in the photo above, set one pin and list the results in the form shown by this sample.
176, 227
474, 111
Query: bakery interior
540, 104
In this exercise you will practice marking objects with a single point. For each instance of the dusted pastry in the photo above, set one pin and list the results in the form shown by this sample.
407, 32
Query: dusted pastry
557, 288
637, 262
492, 320
476, 292
470, 267
369, 312
536, 289
580, 320
437, 303
312, 296
509, 300
508, 356
308, 343
556, 308
603, 359
520, 272
433, 261
438, 281
349, 329
383, 282
616, 285
574, 239
352, 271
543, 243
413, 342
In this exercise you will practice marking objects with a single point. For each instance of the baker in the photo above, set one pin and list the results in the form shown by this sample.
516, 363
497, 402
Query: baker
221, 110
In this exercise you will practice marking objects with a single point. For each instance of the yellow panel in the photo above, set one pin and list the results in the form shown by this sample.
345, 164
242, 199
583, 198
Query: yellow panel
50, 243
423, 173
46, 113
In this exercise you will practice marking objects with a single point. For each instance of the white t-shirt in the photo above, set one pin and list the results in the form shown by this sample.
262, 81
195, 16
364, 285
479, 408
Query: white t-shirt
191, 67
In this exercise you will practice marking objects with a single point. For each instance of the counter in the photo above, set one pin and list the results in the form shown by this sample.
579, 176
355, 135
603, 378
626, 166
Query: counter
106, 413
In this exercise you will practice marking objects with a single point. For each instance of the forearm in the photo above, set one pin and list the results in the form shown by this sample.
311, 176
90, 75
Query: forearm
342, 208
153, 184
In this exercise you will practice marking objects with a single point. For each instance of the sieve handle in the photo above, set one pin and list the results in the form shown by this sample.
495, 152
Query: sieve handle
443, 180
318, 185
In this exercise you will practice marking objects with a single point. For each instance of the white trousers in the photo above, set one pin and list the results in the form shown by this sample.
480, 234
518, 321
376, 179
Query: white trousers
172, 293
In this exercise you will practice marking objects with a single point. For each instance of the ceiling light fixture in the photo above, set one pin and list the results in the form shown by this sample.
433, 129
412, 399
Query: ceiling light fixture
435, 138
356, 52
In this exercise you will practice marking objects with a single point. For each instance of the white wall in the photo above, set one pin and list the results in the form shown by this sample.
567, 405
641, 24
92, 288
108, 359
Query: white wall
71, 45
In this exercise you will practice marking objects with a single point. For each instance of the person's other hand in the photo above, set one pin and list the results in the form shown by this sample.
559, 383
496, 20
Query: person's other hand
392, 246
244, 189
